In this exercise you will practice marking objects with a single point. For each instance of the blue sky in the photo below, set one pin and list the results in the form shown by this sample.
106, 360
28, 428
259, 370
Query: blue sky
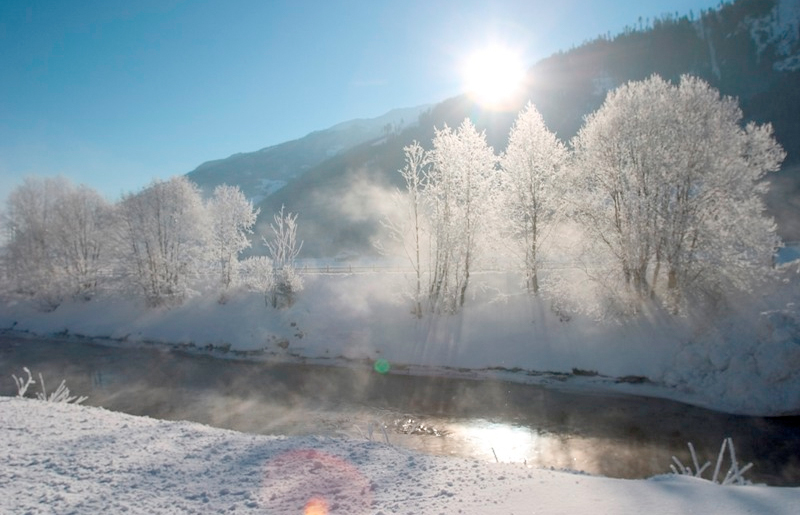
113, 94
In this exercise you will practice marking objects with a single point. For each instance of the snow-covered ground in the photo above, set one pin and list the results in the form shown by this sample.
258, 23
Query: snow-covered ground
65, 458
746, 360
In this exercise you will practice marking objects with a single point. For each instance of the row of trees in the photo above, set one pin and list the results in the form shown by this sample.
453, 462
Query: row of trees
163, 242
659, 196
662, 184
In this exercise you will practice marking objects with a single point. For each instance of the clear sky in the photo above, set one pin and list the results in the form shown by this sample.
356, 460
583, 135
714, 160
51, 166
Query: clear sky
114, 93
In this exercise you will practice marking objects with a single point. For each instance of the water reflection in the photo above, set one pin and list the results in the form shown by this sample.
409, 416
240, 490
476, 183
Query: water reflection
493, 421
506, 443
511, 443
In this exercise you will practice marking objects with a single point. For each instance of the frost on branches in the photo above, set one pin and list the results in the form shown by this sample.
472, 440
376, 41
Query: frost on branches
162, 243
163, 235
283, 249
232, 219
56, 240
410, 227
459, 194
534, 189
670, 188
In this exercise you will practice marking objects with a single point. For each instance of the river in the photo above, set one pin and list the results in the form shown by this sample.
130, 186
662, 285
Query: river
614, 435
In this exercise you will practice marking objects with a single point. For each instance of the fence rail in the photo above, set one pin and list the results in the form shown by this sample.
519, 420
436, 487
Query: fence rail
366, 269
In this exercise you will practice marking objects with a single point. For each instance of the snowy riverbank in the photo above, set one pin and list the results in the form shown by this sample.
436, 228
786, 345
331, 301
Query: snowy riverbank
745, 362
58, 458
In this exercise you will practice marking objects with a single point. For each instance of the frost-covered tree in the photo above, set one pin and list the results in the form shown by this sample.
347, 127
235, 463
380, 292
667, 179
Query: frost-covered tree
232, 218
409, 226
672, 186
56, 239
84, 220
534, 188
163, 239
459, 194
283, 249
29, 222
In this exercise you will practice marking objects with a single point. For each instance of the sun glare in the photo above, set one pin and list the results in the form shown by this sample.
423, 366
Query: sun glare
493, 76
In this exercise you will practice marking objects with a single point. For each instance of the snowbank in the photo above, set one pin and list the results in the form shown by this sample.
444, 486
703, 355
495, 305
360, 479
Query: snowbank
745, 362
64, 458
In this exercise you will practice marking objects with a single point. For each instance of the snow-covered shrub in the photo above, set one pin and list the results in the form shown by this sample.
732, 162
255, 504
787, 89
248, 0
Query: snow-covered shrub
286, 284
61, 394
734, 476
255, 273
746, 352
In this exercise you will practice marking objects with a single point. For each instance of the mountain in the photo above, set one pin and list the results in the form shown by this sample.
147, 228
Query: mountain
748, 49
263, 172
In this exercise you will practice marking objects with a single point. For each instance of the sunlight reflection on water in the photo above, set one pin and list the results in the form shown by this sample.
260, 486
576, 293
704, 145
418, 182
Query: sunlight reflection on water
507, 443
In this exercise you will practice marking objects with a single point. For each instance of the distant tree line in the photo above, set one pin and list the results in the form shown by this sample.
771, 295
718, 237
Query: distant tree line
163, 243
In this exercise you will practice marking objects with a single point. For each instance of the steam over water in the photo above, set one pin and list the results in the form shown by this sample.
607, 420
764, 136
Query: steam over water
612, 435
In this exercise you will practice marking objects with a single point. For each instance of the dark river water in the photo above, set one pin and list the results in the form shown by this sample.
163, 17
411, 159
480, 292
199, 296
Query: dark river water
612, 435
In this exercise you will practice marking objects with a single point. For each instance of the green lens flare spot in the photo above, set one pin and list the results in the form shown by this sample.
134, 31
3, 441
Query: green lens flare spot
382, 366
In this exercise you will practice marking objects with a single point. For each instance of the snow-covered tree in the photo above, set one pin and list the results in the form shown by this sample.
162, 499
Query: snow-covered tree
459, 193
283, 249
56, 238
29, 222
534, 186
409, 226
232, 218
672, 186
84, 219
163, 239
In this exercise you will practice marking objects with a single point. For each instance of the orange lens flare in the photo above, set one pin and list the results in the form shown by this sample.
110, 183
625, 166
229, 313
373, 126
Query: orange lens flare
316, 506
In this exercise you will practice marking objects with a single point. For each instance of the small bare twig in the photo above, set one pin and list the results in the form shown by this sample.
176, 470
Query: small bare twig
60, 395
22, 387
735, 474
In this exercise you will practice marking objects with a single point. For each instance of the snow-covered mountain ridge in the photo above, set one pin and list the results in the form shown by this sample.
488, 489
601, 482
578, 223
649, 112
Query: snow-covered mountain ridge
265, 171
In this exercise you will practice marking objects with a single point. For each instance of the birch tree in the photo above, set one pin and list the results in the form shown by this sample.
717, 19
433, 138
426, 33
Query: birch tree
409, 226
534, 185
459, 195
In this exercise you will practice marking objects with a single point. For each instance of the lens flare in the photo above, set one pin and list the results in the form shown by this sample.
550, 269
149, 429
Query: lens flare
314, 482
316, 506
382, 366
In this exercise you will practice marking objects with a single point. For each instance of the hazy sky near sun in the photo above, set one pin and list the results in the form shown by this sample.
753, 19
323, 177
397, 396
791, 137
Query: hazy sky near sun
115, 93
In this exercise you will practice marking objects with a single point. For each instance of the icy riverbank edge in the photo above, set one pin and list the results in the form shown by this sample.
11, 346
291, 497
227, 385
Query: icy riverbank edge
746, 362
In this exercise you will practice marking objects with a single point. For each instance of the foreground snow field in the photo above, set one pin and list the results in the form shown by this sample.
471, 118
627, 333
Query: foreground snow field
63, 458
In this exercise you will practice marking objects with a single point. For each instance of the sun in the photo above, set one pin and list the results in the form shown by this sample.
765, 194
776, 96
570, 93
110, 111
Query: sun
493, 76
